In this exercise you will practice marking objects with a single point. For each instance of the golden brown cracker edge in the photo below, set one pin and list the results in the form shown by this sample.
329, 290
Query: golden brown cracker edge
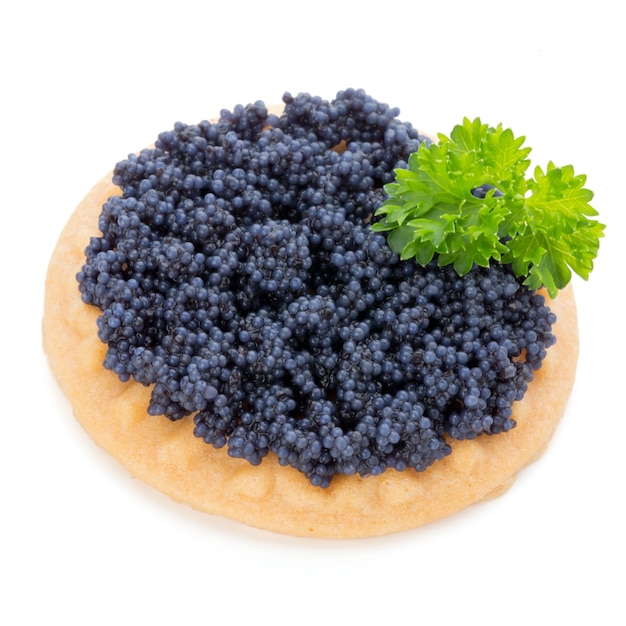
167, 456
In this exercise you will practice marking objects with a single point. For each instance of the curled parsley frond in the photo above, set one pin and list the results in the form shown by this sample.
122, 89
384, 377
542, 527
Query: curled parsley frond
467, 200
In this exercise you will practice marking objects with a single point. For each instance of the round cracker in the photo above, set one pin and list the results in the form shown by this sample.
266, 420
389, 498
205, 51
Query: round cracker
169, 457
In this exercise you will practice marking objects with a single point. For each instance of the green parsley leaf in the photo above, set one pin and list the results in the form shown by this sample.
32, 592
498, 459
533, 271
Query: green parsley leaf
467, 201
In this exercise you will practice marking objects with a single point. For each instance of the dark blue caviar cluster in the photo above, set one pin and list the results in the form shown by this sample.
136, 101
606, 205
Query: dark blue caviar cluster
238, 274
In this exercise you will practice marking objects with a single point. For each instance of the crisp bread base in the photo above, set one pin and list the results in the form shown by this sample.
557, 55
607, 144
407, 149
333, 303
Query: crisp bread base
167, 455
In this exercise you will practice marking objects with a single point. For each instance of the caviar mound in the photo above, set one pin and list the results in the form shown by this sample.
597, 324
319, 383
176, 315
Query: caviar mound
239, 276
270, 496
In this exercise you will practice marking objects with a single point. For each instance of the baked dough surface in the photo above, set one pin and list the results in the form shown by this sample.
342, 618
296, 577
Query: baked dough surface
169, 457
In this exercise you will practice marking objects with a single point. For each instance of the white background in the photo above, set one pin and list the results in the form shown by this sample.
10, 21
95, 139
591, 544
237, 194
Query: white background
85, 84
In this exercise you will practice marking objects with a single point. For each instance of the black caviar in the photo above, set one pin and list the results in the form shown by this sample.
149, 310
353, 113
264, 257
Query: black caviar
237, 273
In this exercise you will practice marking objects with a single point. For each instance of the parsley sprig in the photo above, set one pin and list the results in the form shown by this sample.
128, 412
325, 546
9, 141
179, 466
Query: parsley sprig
540, 225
